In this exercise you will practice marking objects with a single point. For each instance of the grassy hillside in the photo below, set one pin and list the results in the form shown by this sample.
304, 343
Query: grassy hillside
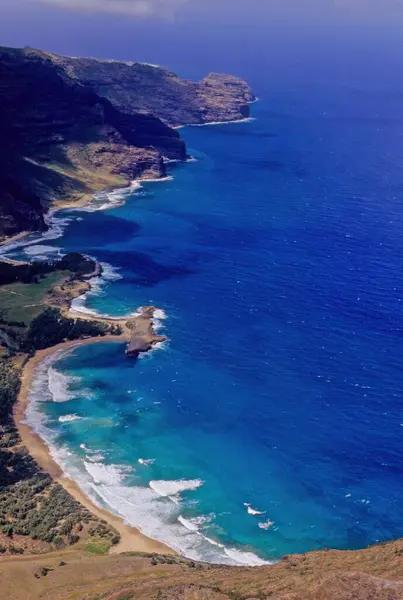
34, 300
22, 302
373, 574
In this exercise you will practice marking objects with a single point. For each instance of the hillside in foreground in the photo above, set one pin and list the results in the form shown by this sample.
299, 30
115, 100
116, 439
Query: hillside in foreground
373, 574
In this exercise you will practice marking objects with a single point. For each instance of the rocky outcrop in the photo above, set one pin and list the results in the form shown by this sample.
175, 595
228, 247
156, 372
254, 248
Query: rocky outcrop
147, 89
143, 337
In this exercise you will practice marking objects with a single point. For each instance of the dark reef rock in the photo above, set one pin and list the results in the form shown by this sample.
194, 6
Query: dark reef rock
70, 127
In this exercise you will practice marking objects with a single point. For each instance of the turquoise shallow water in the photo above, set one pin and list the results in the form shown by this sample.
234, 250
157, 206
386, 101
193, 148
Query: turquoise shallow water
276, 258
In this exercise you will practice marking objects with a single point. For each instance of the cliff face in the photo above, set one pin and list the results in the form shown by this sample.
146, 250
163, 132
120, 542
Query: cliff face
69, 127
59, 140
147, 89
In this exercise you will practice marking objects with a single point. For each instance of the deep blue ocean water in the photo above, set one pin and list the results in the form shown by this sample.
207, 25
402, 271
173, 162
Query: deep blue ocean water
277, 258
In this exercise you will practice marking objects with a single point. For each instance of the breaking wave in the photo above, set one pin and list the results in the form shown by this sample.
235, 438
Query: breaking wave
108, 200
146, 461
98, 285
60, 385
246, 120
253, 511
153, 513
69, 418
174, 488
33, 244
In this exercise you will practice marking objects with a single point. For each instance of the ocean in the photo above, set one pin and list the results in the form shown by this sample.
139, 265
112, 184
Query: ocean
271, 422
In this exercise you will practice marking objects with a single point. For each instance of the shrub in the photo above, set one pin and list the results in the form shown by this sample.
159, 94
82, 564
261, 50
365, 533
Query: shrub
51, 328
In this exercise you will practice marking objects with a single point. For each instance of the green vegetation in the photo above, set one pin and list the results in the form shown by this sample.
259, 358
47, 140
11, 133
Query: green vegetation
51, 327
31, 503
25, 288
32, 272
9, 388
77, 263
98, 546
21, 302
24, 272
28, 321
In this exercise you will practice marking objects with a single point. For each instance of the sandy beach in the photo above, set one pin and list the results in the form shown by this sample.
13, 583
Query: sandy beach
132, 540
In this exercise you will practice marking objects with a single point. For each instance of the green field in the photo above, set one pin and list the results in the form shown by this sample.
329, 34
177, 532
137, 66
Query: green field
23, 302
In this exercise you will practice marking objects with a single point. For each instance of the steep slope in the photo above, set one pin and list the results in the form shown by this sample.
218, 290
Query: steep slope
59, 140
148, 89
69, 127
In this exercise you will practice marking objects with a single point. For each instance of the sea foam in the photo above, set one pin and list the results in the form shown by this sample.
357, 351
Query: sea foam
42, 252
188, 523
97, 284
56, 227
107, 474
253, 511
146, 461
246, 120
59, 385
155, 509
108, 200
265, 526
244, 558
150, 508
69, 418
158, 518
175, 488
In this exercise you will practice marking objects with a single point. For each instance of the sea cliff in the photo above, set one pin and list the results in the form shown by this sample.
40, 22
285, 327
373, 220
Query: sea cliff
77, 126
148, 89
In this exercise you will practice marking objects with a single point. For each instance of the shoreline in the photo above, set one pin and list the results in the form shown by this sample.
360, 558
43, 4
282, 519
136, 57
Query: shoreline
132, 540
212, 123
61, 205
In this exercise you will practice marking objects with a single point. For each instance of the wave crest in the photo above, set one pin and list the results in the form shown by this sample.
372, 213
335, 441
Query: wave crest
106, 474
167, 489
69, 418
59, 385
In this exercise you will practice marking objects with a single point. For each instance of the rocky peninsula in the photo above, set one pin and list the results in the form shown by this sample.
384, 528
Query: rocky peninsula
142, 333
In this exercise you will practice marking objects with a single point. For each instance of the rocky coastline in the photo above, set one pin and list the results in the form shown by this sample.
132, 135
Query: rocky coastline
79, 126
143, 337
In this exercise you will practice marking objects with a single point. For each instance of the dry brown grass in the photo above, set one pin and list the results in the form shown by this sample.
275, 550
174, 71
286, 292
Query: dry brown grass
372, 574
